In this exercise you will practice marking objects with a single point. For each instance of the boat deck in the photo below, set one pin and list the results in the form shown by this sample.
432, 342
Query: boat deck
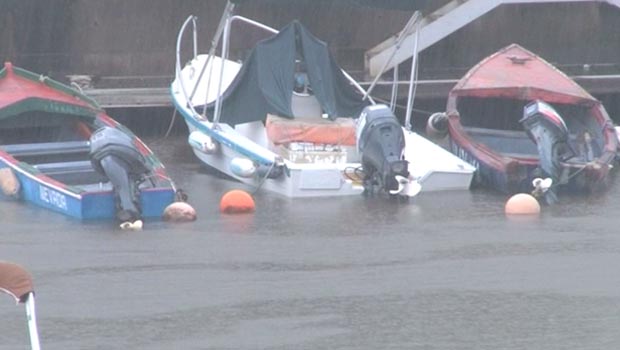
515, 144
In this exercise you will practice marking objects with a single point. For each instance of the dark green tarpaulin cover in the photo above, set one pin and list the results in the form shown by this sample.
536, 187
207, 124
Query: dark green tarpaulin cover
266, 80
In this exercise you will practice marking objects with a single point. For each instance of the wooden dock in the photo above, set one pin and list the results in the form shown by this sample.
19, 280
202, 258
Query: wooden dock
427, 89
131, 97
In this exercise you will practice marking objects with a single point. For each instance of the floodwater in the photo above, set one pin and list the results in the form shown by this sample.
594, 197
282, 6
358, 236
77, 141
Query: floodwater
442, 271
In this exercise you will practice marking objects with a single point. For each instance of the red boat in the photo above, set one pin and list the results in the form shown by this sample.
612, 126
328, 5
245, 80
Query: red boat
516, 117
61, 151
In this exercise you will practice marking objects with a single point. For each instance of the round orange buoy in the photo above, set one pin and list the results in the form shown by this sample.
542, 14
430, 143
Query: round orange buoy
237, 201
522, 204
179, 212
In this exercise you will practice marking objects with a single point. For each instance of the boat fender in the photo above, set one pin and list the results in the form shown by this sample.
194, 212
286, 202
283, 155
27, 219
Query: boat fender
203, 143
179, 212
242, 167
522, 204
437, 125
9, 182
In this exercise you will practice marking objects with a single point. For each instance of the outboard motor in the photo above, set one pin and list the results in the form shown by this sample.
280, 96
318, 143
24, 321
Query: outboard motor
381, 142
114, 155
547, 129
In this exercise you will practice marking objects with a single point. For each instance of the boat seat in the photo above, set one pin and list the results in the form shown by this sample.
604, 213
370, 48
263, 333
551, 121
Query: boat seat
79, 166
74, 173
340, 131
46, 148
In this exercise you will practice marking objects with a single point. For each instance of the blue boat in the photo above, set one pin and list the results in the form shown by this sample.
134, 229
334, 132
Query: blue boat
61, 151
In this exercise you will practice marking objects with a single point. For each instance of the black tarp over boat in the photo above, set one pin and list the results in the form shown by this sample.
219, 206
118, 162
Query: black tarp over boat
266, 81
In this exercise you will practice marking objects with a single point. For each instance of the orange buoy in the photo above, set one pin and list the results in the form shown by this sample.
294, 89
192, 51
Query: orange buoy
237, 201
522, 204
179, 212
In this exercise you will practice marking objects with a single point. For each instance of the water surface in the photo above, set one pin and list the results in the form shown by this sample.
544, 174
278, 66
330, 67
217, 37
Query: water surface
442, 271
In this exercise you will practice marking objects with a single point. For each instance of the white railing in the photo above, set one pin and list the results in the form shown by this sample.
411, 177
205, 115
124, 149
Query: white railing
223, 33
177, 69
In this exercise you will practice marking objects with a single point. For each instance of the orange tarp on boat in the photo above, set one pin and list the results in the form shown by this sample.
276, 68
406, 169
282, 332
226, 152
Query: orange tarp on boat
340, 131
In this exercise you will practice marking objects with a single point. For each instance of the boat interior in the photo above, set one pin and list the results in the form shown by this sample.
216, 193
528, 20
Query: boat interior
55, 144
494, 122
309, 137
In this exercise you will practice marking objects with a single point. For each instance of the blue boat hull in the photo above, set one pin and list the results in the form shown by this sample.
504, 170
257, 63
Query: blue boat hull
85, 205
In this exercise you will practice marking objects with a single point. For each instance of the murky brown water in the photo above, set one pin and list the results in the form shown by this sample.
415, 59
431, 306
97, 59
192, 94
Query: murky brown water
443, 271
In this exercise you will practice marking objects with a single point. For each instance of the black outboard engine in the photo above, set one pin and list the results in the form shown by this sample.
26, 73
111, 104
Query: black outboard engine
114, 155
381, 142
547, 129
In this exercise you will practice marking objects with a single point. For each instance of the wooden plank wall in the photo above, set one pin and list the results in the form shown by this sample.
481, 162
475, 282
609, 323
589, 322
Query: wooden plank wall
137, 38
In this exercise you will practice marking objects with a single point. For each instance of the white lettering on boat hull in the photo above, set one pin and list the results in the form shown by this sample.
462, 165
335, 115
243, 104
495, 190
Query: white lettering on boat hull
52, 197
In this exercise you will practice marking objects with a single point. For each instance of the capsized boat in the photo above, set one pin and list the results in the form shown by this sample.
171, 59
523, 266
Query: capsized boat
291, 121
60, 151
523, 123
17, 282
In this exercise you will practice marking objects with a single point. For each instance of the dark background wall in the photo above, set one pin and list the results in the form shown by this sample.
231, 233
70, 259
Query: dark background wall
137, 37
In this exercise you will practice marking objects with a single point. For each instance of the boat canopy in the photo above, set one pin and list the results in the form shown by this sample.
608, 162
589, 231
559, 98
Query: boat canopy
266, 81
15, 281
514, 72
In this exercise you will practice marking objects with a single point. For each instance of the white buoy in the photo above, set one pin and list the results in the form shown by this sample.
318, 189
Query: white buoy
202, 142
242, 167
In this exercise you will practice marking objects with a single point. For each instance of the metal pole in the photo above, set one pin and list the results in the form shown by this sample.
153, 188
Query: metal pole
32, 323
394, 89
218, 100
412, 81
413, 20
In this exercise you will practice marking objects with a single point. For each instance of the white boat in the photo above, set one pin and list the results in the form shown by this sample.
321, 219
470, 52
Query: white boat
289, 120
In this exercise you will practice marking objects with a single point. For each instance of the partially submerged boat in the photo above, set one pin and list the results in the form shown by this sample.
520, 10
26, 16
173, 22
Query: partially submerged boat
60, 151
17, 282
520, 120
291, 121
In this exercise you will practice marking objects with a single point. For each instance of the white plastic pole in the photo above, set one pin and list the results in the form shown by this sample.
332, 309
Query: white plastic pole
412, 80
32, 323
